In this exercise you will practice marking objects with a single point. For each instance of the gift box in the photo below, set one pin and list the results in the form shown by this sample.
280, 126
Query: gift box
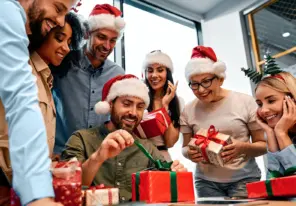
210, 143
101, 195
277, 187
66, 184
162, 187
153, 124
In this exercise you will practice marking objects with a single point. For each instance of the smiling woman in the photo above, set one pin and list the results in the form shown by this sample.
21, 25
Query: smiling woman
53, 50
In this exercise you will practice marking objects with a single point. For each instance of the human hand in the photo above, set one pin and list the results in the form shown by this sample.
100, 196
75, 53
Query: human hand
264, 125
113, 144
194, 155
178, 167
170, 94
233, 150
45, 202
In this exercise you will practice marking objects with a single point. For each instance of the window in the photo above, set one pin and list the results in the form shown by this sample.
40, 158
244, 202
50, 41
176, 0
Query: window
146, 31
272, 30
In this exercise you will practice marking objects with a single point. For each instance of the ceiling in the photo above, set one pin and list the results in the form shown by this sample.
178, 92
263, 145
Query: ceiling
195, 6
191, 9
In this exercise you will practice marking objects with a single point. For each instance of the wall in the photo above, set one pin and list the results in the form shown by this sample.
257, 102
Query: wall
223, 30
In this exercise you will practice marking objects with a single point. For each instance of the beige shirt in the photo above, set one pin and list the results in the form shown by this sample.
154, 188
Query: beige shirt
233, 115
44, 83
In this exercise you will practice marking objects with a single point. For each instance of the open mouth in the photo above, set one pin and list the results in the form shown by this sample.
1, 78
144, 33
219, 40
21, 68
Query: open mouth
60, 55
129, 121
203, 95
271, 117
49, 25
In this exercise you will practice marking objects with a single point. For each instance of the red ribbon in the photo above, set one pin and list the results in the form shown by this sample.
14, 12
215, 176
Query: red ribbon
100, 187
211, 136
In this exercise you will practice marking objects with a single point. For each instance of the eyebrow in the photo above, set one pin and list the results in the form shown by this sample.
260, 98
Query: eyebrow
60, 4
269, 96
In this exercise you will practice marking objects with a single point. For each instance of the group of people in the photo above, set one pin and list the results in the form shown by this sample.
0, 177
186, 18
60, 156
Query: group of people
61, 98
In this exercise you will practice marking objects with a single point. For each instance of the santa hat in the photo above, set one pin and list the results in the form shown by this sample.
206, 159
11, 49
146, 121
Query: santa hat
204, 60
121, 85
106, 16
158, 57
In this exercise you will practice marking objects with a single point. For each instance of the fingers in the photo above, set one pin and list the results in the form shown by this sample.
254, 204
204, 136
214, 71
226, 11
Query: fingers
227, 153
290, 105
285, 109
228, 147
178, 167
129, 140
120, 139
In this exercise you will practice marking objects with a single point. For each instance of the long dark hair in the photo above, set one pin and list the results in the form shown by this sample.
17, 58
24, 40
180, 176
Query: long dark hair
79, 28
174, 106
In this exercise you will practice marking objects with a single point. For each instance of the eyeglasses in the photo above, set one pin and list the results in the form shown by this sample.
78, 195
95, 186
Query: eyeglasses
205, 83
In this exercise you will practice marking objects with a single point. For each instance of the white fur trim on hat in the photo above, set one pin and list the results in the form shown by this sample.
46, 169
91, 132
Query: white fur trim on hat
108, 21
158, 57
102, 107
126, 87
204, 65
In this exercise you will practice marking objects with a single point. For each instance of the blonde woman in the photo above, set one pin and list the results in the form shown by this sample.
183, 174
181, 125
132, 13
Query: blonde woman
275, 96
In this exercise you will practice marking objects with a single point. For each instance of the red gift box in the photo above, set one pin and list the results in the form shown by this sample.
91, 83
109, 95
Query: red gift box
66, 184
162, 187
153, 124
278, 187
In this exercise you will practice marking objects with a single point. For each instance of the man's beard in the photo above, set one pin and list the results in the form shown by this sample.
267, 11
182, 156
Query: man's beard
36, 17
117, 121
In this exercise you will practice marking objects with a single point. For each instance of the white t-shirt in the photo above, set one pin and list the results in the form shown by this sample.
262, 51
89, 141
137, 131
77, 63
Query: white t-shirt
233, 115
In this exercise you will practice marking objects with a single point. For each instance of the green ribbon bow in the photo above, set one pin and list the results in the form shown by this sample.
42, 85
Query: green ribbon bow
274, 174
159, 165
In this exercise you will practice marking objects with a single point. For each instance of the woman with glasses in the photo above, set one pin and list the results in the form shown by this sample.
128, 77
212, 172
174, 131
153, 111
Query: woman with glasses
157, 70
231, 113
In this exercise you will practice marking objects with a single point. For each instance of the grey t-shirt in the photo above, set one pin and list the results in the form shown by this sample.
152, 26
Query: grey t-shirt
234, 115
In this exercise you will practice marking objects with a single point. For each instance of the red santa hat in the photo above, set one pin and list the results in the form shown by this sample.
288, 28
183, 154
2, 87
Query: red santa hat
121, 85
204, 60
106, 16
158, 57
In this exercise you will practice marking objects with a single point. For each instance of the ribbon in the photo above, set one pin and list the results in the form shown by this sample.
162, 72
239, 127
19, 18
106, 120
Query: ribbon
159, 165
274, 174
65, 170
150, 116
205, 140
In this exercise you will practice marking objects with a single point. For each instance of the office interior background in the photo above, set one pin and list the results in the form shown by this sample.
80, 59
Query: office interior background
241, 32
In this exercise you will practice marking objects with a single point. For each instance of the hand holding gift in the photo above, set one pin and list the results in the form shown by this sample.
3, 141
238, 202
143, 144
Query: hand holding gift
194, 155
113, 144
233, 151
210, 144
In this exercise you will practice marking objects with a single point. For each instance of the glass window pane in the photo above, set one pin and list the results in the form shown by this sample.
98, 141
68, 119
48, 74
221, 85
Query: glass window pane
146, 32
85, 9
275, 27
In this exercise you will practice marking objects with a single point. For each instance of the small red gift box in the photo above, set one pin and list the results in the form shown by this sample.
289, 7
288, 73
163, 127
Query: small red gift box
153, 124
278, 187
162, 187
66, 184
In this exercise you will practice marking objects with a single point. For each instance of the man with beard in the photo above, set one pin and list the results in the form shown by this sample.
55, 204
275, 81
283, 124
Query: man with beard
108, 154
18, 93
77, 91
